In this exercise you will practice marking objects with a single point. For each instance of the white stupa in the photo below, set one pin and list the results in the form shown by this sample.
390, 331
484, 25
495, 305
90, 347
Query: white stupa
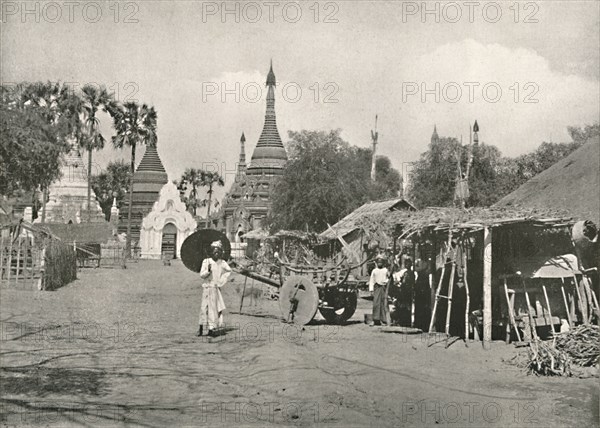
68, 195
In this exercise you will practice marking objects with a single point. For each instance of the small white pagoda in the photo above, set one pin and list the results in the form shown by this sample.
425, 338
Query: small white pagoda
68, 195
165, 228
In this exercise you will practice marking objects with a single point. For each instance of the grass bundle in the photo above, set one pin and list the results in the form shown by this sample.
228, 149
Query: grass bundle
547, 360
582, 344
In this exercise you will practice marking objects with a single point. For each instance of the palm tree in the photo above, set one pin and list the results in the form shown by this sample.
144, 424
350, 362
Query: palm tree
191, 177
60, 108
92, 100
134, 125
209, 179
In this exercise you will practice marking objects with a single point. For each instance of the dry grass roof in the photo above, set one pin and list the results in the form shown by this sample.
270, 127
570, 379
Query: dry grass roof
572, 184
353, 220
435, 219
83, 232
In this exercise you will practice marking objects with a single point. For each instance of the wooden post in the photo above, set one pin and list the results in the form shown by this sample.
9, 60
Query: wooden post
20, 244
437, 298
562, 289
1, 256
532, 322
588, 293
549, 310
439, 287
449, 306
28, 260
487, 286
243, 292
10, 250
468, 297
582, 304
511, 314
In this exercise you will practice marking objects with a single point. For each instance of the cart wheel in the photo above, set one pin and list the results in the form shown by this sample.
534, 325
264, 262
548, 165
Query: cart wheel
343, 314
298, 300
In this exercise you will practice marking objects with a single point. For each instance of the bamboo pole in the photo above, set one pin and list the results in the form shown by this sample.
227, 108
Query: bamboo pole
582, 305
511, 314
588, 294
28, 261
437, 298
19, 244
449, 306
532, 325
487, 286
243, 292
549, 310
562, 289
9, 265
439, 287
468, 296
1, 256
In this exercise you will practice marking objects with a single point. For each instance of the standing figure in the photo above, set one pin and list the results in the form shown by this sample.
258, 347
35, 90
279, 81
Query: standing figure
405, 279
378, 286
217, 271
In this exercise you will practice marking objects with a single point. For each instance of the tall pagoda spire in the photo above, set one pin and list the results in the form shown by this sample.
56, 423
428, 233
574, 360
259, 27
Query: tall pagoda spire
435, 137
242, 163
269, 154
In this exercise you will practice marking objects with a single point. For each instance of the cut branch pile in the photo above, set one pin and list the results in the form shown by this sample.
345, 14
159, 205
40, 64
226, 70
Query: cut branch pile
582, 344
546, 360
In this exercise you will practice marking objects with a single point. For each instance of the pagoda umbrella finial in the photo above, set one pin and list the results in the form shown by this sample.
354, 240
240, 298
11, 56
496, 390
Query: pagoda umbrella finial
374, 137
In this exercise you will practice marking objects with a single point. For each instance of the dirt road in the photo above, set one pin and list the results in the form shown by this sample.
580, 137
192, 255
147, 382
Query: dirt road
118, 347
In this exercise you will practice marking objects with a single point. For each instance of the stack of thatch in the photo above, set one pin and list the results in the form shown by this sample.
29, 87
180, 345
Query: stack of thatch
578, 347
545, 359
582, 344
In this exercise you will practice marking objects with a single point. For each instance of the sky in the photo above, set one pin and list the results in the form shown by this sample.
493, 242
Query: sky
524, 70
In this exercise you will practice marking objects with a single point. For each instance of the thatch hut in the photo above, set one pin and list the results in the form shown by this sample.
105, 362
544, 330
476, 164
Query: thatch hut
571, 184
356, 234
476, 268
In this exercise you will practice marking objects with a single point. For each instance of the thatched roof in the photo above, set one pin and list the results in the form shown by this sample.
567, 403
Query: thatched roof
571, 184
442, 219
82, 233
353, 220
256, 234
293, 234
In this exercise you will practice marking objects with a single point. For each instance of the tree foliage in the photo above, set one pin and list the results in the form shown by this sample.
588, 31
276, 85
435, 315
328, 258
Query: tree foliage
325, 179
112, 183
134, 125
29, 152
433, 177
36, 120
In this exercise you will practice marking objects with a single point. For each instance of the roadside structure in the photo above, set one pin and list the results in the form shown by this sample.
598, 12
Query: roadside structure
571, 184
148, 179
68, 195
165, 228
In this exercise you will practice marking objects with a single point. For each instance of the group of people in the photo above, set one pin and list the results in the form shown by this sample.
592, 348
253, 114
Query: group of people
396, 286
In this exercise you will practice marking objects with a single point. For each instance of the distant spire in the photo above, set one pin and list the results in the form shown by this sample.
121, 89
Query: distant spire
242, 164
374, 137
271, 76
434, 137
475, 131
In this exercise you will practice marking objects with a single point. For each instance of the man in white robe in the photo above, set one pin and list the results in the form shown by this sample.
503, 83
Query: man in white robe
378, 286
216, 271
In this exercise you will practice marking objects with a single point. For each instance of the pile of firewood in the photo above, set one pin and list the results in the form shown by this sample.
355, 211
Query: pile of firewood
582, 344
545, 359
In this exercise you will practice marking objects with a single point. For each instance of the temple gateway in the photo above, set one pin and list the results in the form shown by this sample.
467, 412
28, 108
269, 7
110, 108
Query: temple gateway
248, 201
165, 228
